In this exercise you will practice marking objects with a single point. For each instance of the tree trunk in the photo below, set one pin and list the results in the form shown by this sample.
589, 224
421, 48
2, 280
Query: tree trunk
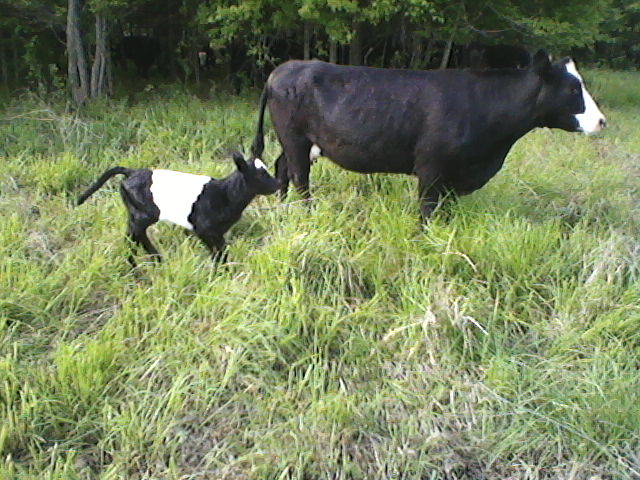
355, 48
333, 51
383, 61
100, 77
15, 61
447, 53
109, 71
77, 63
169, 45
4, 65
416, 52
307, 41
427, 53
447, 50
194, 53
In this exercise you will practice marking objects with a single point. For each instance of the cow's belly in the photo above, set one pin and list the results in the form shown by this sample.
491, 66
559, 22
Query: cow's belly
367, 162
466, 186
365, 154
470, 174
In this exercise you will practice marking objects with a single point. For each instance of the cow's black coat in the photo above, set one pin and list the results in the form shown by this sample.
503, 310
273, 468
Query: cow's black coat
142, 50
450, 128
479, 55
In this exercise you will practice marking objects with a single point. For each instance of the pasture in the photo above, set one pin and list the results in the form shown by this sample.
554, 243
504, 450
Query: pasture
343, 340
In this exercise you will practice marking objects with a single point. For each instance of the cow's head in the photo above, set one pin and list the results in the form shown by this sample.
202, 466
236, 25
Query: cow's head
202, 58
564, 101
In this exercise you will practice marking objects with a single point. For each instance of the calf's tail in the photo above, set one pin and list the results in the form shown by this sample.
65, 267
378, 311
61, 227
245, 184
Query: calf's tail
101, 181
258, 143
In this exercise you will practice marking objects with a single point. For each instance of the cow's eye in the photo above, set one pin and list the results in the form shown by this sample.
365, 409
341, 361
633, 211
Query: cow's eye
575, 91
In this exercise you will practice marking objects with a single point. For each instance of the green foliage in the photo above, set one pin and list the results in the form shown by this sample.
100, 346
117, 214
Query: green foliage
557, 25
567, 24
105, 6
343, 340
395, 33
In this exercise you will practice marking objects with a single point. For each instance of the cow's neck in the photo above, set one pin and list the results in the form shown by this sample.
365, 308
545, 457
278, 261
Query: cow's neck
506, 121
516, 112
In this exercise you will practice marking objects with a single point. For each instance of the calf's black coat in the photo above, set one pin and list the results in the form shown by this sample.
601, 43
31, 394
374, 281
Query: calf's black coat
217, 207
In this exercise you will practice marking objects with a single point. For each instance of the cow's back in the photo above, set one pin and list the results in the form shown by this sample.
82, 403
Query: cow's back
365, 119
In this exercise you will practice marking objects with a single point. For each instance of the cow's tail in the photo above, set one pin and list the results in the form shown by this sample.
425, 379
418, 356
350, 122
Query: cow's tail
102, 180
258, 143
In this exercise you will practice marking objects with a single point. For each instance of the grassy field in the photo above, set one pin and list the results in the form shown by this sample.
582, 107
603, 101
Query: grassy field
343, 341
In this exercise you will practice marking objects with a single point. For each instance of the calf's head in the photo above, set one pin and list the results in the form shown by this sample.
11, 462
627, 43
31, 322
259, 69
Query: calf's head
564, 101
257, 178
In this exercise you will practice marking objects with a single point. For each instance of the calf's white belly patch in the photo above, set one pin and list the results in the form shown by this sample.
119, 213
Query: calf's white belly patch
174, 194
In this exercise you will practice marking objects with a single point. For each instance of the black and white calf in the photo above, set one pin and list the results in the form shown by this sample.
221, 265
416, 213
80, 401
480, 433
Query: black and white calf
207, 206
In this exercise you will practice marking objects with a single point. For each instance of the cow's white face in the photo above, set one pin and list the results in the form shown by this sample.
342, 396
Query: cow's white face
591, 120
202, 58
564, 101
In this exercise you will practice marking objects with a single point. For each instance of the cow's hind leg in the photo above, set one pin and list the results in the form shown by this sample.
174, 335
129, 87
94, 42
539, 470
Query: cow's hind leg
282, 174
296, 150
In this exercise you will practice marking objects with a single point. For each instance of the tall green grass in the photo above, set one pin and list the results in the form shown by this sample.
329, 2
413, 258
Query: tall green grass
342, 341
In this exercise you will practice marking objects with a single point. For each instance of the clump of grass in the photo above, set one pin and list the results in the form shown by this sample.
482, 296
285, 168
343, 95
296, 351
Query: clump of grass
343, 340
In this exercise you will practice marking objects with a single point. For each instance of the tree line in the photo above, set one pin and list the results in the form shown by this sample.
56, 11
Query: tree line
79, 43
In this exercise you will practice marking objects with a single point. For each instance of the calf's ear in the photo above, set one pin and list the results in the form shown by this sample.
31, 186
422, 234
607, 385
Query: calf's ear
541, 63
239, 161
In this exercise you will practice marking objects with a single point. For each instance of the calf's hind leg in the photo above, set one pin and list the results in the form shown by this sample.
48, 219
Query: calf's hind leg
140, 218
137, 233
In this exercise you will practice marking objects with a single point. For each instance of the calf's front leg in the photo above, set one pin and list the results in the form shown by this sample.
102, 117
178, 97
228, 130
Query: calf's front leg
216, 244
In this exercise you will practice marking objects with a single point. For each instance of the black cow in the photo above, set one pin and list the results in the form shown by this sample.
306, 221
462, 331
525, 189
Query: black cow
450, 128
206, 57
142, 50
478, 56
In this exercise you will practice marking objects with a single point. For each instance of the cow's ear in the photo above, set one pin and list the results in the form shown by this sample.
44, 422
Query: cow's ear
238, 159
541, 63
